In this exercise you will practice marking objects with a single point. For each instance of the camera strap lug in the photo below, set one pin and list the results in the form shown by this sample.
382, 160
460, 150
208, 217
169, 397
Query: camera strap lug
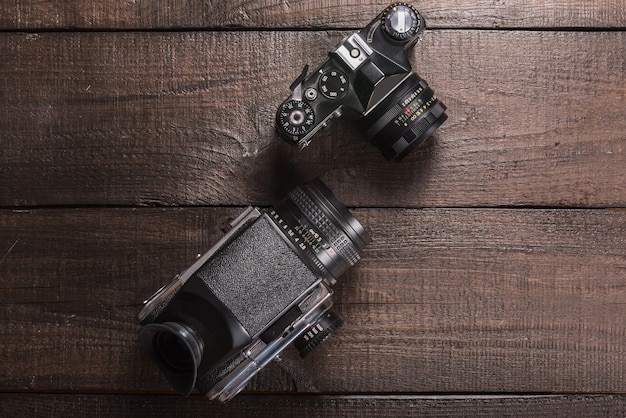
153, 301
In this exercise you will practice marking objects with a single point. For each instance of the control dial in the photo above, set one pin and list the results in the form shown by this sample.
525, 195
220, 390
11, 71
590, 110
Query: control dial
314, 335
296, 117
401, 21
333, 84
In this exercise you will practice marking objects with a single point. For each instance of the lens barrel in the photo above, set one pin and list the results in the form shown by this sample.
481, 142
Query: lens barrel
328, 238
405, 118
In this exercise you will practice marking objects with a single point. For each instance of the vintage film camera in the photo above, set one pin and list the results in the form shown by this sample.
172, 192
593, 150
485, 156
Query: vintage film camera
264, 285
368, 73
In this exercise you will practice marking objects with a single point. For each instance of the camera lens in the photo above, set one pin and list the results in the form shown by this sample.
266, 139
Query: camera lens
404, 118
176, 349
328, 238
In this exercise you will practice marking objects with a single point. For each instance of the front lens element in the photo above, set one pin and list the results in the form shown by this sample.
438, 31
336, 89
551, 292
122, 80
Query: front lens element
405, 118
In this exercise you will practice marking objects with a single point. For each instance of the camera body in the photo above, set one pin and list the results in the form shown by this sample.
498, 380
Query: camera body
264, 285
368, 73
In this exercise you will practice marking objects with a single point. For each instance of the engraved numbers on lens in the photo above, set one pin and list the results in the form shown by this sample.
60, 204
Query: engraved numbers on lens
414, 111
296, 117
301, 235
310, 238
333, 84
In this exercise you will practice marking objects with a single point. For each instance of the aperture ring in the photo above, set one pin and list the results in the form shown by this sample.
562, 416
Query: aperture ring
336, 238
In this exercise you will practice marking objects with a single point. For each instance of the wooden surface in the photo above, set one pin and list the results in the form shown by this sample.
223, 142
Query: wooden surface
130, 132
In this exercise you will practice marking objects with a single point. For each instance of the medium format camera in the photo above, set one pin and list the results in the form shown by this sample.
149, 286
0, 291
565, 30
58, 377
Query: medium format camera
264, 285
369, 74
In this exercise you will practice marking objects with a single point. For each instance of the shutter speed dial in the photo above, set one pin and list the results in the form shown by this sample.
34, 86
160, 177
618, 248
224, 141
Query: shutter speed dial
401, 21
333, 84
296, 117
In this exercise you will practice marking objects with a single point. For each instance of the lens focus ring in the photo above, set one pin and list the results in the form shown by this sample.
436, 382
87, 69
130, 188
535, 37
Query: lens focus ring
325, 235
337, 239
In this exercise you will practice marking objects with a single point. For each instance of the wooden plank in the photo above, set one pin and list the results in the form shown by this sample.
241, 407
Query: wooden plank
445, 300
549, 406
176, 14
536, 118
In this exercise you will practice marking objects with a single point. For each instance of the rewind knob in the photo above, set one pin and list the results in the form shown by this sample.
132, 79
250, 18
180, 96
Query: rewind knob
401, 21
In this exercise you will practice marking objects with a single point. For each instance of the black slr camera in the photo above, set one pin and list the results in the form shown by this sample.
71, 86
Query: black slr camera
369, 74
264, 285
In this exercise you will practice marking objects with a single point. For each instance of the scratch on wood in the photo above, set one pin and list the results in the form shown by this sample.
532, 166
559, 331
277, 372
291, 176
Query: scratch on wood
9, 251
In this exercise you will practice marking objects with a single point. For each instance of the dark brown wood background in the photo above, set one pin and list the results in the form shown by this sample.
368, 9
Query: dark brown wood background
130, 131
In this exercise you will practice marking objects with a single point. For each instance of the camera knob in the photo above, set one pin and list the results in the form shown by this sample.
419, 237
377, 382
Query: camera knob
296, 117
333, 84
401, 21
312, 337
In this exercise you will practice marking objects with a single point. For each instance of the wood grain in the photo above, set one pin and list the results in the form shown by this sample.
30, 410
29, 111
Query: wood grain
131, 132
177, 14
186, 118
548, 406
445, 300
